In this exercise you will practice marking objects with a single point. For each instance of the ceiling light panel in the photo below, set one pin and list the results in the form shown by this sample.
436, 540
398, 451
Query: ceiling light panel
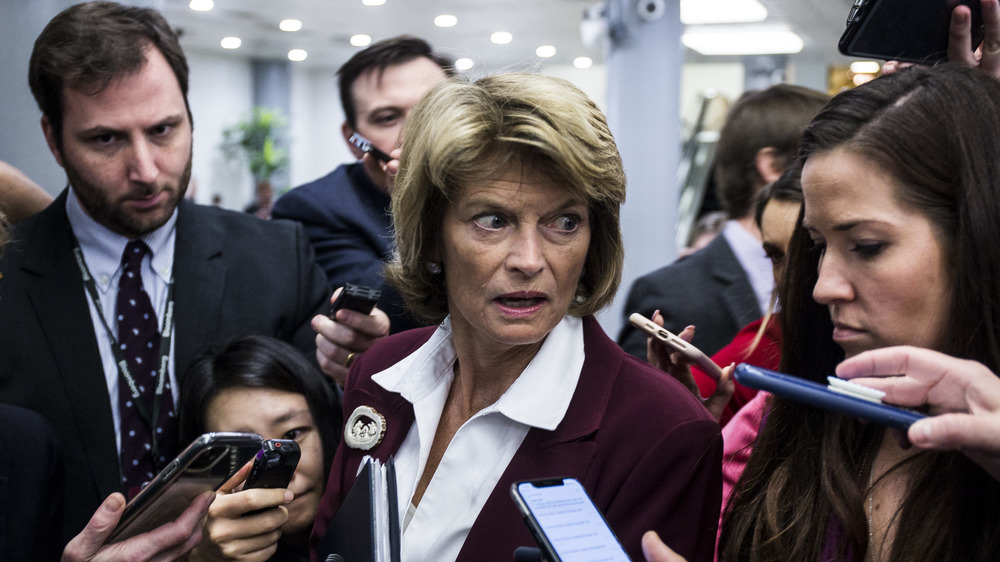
696, 12
446, 20
742, 41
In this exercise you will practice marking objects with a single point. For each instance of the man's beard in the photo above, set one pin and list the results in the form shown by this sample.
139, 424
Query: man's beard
113, 215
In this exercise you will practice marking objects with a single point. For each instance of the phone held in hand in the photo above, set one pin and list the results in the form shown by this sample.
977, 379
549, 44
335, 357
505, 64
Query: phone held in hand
365, 145
205, 465
677, 344
274, 465
840, 396
565, 522
905, 30
355, 297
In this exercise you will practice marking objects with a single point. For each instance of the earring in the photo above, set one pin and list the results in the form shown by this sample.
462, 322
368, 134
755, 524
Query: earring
433, 267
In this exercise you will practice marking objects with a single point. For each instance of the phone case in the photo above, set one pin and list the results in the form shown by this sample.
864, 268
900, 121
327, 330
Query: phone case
676, 343
206, 464
357, 298
822, 396
274, 465
904, 30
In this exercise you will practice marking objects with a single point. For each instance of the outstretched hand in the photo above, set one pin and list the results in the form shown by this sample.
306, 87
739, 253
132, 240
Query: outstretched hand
340, 340
963, 395
960, 47
169, 541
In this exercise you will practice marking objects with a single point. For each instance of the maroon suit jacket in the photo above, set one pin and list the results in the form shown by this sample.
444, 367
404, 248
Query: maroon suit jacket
644, 448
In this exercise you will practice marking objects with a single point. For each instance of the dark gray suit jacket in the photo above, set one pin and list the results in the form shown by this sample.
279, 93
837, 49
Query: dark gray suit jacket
346, 217
708, 289
234, 275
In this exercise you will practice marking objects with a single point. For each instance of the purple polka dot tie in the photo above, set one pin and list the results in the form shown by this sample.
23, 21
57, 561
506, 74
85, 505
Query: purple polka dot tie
139, 342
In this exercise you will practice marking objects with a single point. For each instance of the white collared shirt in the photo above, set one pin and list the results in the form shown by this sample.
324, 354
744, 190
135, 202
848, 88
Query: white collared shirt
482, 448
102, 251
750, 253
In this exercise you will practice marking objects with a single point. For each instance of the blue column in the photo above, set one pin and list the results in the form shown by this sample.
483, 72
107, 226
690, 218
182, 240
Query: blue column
644, 61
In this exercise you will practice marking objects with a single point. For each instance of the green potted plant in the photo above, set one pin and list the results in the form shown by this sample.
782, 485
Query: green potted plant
259, 139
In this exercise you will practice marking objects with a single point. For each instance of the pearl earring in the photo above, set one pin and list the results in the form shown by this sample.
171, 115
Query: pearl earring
433, 267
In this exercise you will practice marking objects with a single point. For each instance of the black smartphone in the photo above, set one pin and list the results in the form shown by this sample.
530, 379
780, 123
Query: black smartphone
565, 522
905, 30
274, 465
356, 297
365, 145
839, 396
205, 465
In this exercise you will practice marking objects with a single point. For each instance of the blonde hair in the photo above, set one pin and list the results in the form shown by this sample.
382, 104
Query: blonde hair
461, 133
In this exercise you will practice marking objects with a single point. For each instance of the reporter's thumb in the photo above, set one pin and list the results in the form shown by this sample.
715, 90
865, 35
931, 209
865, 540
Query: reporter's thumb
102, 523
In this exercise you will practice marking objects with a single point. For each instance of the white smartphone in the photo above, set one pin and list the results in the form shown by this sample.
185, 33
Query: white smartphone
677, 344
565, 522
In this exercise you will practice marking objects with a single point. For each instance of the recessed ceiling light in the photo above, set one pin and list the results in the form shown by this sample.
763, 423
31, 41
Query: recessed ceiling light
290, 25
445, 20
545, 51
501, 38
463, 64
231, 42
297, 55
201, 5
373, 2
694, 12
865, 67
361, 40
583, 62
733, 41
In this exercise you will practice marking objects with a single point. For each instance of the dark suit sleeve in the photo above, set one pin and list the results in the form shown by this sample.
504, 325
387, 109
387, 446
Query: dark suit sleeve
344, 251
31, 486
645, 296
313, 293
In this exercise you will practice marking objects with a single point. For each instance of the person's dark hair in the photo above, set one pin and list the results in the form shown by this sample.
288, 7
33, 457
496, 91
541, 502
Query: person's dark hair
771, 118
87, 46
935, 132
787, 188
379, 56
258, 362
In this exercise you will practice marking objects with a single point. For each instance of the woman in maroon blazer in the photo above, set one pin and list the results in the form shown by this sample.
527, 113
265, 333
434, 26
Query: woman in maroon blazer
506, 212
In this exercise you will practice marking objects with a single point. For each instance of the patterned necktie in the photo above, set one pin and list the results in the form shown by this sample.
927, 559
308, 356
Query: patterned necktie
139, 341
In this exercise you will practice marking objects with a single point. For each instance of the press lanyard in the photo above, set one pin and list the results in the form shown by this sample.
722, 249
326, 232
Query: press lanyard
166, 332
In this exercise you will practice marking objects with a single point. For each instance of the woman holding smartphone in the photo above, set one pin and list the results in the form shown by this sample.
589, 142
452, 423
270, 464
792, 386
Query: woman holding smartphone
262, 385
896, 246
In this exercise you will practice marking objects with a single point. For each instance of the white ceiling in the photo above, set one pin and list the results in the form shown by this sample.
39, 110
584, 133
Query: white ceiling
328, 25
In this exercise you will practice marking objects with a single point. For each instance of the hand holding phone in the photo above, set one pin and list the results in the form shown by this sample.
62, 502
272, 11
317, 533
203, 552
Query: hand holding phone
840, 396
274, 465
365, 145
689, 351
205, 465
905, 30
355, 297
565, 522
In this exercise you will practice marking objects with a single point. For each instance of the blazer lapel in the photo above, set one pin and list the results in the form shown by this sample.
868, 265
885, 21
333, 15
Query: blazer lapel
58, 297
738, 298
199, 280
